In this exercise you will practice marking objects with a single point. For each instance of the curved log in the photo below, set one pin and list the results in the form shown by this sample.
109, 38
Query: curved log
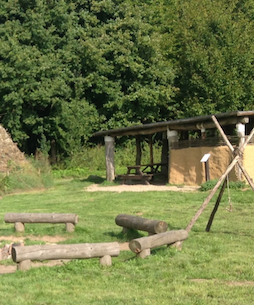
73, 251
40, 218
140, 244
139, 223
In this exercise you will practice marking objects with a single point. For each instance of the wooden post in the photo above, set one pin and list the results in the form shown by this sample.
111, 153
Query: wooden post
139, 223
138, 150
170, 237
110, 152
151, 148
164, 155
172, 136
240, 128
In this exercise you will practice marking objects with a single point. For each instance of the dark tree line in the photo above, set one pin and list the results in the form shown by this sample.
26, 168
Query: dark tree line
69, 68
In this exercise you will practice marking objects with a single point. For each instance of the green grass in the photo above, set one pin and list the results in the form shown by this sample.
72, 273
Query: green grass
212, 268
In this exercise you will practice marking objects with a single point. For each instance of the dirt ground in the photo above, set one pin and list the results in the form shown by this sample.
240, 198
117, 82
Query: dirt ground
140, 188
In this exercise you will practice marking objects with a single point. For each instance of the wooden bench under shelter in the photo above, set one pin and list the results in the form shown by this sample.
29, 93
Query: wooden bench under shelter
143, 173
135, 173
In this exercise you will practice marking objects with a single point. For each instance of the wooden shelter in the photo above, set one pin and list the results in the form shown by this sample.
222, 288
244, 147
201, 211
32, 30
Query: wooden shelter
184, 144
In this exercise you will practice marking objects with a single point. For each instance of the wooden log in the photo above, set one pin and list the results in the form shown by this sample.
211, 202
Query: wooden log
140, 244
139, 223
40, 218
73, 251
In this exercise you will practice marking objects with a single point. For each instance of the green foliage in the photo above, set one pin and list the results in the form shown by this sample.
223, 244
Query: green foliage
210, 184
35, 175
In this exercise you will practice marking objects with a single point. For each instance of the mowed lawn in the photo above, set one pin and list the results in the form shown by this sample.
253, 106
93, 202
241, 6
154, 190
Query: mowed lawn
212, 268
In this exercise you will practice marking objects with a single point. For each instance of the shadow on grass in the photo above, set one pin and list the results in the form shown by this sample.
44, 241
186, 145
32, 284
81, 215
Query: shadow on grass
129, 235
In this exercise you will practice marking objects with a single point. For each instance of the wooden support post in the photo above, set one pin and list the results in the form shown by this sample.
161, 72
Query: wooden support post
19, 227
170, 237
138, 150
106, 260
172, 136
139, 223
110, 152
209, 224
151, 148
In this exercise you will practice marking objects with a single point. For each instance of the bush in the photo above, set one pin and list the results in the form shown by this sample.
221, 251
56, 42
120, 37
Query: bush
209, 185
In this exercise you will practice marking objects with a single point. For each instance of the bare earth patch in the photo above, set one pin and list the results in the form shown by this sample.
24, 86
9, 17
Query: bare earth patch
140, 188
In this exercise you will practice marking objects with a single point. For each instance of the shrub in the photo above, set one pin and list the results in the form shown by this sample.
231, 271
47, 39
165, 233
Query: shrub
209, 185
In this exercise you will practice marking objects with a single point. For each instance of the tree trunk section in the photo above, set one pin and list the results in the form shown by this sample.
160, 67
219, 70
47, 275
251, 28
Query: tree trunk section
139, 223
73, 251
140, 244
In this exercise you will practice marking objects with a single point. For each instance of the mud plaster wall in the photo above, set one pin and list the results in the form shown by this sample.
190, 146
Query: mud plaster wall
10, 155
186, 168
248, 160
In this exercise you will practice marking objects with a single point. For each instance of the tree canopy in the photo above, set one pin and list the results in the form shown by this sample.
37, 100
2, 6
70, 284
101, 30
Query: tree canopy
69, 68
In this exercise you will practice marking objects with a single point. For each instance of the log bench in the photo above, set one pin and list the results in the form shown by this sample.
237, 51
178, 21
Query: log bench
23, 255
138, 223
19, 219
142, 246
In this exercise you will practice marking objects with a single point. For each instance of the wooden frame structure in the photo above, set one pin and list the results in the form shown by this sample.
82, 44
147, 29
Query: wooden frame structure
236, 154
170, 131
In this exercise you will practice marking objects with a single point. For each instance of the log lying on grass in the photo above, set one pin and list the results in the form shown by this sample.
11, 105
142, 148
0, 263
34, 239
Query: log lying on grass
104, 251
20, 218
139, 223
139, 245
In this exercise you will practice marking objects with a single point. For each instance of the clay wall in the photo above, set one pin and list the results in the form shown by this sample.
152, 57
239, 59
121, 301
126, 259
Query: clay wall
186, 168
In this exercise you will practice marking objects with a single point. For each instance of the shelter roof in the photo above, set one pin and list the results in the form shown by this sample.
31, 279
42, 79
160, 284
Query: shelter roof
194, 123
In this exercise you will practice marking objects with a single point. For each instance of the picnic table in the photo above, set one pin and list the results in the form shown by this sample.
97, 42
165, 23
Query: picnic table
143, 173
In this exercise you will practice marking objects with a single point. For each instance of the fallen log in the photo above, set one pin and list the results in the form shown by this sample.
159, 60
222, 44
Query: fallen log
139, 223
71, 251
167, 238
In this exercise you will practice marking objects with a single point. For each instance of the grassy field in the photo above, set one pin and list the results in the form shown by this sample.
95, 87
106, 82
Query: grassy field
212, 268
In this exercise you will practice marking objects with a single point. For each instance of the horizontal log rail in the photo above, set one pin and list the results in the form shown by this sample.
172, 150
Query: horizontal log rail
139, 223
142, 246
26, 254
21, 218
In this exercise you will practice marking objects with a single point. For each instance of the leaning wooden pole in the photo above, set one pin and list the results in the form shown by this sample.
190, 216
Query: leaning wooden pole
241, 149
210, 196
209, 224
